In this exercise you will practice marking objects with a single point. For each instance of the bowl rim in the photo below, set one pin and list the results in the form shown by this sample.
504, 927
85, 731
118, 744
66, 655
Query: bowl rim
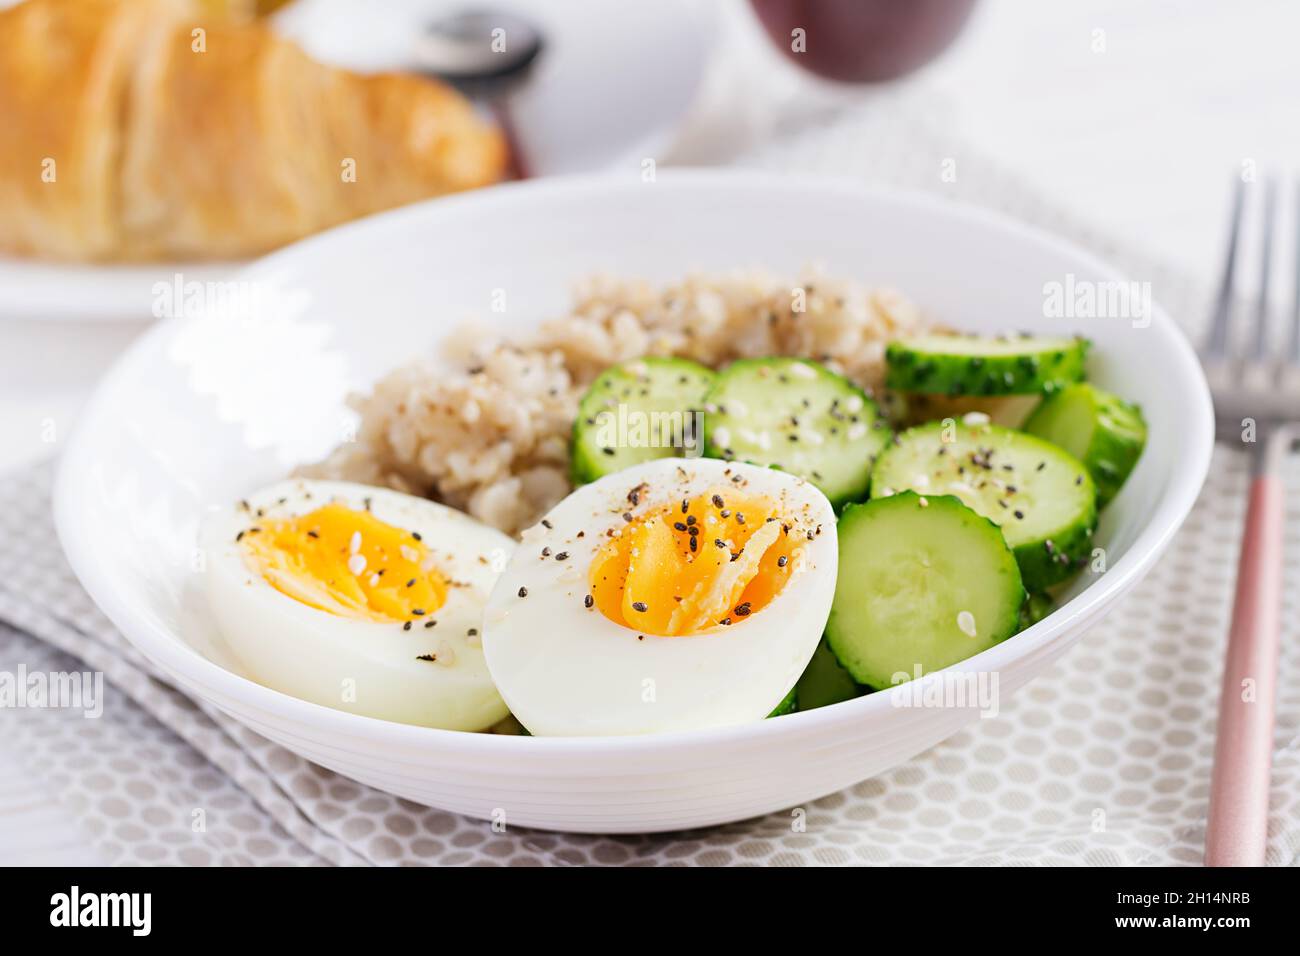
227, 689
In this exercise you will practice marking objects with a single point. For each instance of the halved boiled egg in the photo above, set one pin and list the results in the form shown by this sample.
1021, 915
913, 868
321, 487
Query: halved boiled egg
674, 595
358, 598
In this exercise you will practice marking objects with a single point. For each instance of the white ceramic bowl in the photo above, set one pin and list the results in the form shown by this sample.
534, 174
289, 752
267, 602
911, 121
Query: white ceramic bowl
202, 410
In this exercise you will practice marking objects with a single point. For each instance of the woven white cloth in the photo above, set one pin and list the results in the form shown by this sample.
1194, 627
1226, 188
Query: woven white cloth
1103, 761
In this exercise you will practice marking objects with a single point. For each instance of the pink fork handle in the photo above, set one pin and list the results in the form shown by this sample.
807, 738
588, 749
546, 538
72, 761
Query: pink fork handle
1237, 827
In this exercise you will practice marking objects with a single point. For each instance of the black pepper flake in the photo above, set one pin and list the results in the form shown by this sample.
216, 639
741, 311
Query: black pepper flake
240, 536
427, 657
1019, 514
523, 592
472, 632
546, 523
411, 583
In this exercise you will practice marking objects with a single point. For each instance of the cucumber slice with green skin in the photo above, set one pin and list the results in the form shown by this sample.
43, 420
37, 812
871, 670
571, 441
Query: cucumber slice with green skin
635, 412
985, 365
824, 681
1036, 607
797, 416
1102, 430
789, 703
924, 582
1040, 494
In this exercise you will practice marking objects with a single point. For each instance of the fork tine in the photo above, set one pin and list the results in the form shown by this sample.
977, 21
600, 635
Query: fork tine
1217, 344
1262, 304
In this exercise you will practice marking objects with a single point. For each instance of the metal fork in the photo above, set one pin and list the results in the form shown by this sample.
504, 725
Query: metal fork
1256, 397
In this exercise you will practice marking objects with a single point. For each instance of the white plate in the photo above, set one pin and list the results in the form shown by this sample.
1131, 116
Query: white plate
611, 86
201, 411
610, 90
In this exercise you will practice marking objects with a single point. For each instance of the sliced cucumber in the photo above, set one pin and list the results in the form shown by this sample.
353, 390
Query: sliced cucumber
824, 681
797, 416
985, 365
1036, 607
924, 582
1102, 430
635, 412
789, 703
1040, 494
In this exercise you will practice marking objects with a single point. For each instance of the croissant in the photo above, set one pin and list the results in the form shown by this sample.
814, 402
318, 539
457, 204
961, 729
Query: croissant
145, 130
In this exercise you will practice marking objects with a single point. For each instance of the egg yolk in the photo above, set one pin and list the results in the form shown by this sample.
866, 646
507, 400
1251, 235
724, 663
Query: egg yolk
692, 565
347, 562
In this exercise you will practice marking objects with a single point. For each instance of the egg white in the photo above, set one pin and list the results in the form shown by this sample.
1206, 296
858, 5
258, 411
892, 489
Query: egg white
566, 669
364, 667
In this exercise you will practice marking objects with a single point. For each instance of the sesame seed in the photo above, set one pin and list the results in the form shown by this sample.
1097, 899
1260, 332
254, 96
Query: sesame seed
966, 622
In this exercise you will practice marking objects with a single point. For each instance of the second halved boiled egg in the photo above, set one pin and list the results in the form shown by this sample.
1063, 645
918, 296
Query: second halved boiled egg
675, 595
358, 598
